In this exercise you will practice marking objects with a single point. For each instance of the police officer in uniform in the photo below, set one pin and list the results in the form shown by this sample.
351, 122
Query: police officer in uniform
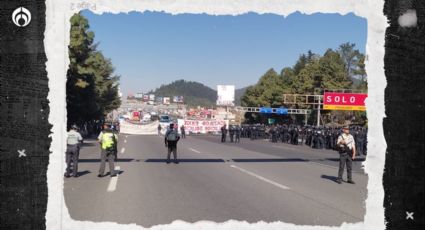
108, 140
238, 134
72, 151
360, 138
347, 151
231, 133
171, 138
223, 133
183, 131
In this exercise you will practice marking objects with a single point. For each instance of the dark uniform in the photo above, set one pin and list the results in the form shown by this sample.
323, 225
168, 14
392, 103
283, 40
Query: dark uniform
183, 131
231, 133
360, 138
238, 134
223, 133
171, 138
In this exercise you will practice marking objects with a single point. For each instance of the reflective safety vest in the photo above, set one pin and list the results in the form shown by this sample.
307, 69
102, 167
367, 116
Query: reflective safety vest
108, 140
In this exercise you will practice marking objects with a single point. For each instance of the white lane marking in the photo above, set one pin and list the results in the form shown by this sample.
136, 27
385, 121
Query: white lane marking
125, 141
260, 177
113, 182
194, 150
126, 136
122, 150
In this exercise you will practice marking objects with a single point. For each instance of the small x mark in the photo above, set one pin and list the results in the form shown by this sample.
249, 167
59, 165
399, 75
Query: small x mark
409, 215
22, 153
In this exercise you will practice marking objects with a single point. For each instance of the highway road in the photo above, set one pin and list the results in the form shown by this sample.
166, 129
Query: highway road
249, 181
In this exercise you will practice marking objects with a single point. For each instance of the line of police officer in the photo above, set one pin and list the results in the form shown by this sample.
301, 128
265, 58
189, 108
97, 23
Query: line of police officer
234, 133
315, 137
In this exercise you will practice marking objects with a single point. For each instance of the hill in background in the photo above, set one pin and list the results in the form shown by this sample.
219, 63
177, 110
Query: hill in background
194, 93
238, 94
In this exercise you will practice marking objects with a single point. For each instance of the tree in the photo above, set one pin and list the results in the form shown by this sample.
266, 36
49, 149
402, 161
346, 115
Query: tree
92, 89
310, 75
361, 72
303, 60
267, 92
350, 56
325, 73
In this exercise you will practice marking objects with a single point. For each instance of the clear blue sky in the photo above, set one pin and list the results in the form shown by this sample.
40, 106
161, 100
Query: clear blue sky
153, 48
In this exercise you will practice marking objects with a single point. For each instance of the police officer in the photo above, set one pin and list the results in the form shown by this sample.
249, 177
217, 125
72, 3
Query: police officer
238, 134
108, 140
223, 133
320, 139
273, 132
347, 153
183, 131
171, 138
295, 135
72, 151
360, 139
231, 133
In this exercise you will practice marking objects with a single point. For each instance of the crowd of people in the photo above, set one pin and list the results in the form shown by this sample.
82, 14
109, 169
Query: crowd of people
315, 137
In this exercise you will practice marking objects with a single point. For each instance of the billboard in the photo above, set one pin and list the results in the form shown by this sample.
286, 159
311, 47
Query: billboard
151, 97
344, 101
138, 96
145, 97
159, 99
226, 95
178, 99
166, 101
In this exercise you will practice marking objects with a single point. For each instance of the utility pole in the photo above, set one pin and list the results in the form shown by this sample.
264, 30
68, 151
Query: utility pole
318, 114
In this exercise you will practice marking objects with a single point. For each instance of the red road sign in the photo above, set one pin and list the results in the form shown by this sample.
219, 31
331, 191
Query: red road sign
344, 101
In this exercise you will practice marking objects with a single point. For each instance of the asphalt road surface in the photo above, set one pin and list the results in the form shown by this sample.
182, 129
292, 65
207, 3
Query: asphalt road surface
248, 181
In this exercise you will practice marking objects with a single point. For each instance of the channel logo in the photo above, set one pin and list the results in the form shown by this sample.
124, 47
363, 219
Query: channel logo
21, 17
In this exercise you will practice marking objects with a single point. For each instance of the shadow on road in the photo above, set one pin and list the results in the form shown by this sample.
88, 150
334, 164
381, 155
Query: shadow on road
83, 173
270, 160
98, 160
187, 160
259, 160
331, 178
119, 172
237, 160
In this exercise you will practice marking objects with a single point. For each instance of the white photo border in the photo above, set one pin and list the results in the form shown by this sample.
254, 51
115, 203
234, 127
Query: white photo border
57, 36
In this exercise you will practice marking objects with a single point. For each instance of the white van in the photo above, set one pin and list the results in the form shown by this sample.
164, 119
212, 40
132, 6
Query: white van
146, 117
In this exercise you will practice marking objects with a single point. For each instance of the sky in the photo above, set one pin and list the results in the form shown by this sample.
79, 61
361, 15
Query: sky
153, 48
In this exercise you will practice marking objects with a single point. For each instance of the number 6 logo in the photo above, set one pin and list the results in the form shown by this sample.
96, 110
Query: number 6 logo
21, 17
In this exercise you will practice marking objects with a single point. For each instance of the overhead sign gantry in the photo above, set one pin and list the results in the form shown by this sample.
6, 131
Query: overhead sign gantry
282, 111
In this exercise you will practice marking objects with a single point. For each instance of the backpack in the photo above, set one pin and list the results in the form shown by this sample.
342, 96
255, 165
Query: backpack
172, 135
